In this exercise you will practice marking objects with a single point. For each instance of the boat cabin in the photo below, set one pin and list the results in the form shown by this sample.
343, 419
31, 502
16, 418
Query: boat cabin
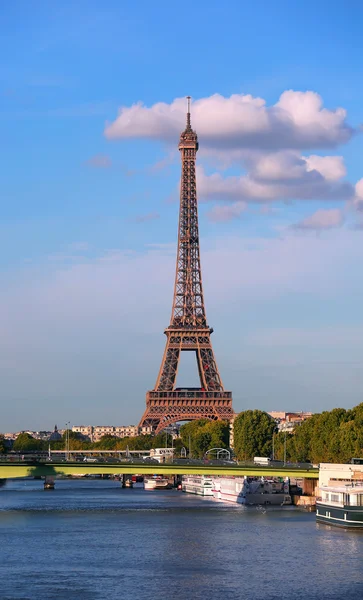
348, 495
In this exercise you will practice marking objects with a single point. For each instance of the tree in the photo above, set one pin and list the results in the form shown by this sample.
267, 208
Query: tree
26, 443
139, 442
162, 440
284, 441
204, 435
350, 441
253, 431
220, 434
2, 445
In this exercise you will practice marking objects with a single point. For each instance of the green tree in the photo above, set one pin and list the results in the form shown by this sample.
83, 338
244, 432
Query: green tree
351, 441
220, 434
139, 442
162, 440
26, 443
107, 442
280, 441
253, 431
2, 445
204, 435
202, 442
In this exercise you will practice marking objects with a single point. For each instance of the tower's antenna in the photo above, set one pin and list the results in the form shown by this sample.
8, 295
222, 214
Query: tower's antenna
188, 113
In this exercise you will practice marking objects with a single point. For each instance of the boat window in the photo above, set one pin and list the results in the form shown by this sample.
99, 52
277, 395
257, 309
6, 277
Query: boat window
326, 496
334, 497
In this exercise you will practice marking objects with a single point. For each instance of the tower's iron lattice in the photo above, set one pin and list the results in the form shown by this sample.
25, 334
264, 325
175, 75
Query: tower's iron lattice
188, 329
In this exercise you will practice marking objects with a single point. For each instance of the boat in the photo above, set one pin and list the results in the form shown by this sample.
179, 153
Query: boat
197, 484
137, 478
341, 505
157, 482
252, 490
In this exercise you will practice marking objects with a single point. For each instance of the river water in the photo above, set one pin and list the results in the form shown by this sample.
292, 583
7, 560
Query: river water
92, 540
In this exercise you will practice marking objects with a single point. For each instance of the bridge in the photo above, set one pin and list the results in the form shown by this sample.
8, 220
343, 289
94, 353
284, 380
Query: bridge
12, 470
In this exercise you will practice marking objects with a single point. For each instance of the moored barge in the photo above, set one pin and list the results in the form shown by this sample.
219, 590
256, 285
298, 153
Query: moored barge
341, 506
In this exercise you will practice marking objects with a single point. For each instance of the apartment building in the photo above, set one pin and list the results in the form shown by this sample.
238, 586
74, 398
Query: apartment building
287, 421
95, 433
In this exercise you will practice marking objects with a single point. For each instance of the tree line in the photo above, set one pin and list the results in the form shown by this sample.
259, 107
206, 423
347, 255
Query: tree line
330, 436
195, 438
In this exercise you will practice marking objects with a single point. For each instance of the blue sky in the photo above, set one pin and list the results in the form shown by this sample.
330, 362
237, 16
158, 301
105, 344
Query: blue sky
89, 202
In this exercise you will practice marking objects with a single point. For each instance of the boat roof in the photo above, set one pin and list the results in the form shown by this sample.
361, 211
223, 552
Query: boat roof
344, 489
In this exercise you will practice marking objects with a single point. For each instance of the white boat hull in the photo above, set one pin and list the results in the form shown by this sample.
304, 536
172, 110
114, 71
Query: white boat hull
156, 484
238, 491
198, 484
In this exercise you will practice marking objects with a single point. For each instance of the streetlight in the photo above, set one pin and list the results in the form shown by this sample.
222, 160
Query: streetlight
273, 445
285, 449
67, 439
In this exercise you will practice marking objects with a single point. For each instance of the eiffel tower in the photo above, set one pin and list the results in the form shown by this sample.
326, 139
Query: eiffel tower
188, 329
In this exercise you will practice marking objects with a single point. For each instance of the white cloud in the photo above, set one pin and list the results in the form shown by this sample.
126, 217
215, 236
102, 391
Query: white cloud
297, 120
287, 165
358, 196
227, 212
295, 183
267, 141
322, 219
330, 167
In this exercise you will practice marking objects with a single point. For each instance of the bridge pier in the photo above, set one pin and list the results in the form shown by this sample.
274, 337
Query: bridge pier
49, 483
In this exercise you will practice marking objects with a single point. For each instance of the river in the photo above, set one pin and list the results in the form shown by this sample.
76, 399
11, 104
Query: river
92, 540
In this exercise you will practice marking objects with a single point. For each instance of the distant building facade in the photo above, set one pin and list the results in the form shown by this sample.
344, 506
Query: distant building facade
95, 433
287, 421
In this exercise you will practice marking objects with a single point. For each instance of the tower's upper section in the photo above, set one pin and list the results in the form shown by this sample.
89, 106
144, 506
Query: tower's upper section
188, 138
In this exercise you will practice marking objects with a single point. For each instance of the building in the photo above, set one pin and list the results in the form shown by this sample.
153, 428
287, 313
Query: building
287, 421
126, 431
55, 436
340, 474
86, 430
95, 433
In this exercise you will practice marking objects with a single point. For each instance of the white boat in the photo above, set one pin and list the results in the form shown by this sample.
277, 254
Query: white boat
341, 505
197, 484
252, 490
156, 483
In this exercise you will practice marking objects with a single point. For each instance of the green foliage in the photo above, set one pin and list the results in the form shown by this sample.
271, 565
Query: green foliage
163, 440
140, 442
331, 436
279, 446
321, 438
204, 435
2, 445
55, 445
107, 442
26, 443
253, 431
